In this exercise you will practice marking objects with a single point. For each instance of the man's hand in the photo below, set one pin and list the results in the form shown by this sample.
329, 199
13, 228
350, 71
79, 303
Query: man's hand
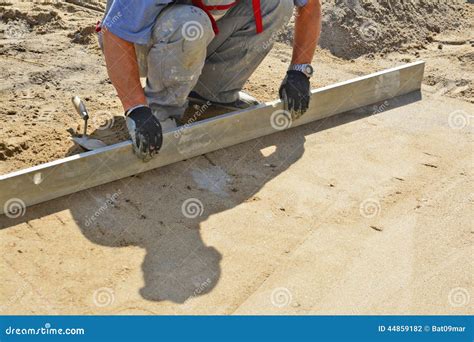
145, 131
295, 93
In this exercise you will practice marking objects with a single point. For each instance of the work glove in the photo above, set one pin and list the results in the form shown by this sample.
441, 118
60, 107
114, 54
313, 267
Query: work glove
145, 131
295, 93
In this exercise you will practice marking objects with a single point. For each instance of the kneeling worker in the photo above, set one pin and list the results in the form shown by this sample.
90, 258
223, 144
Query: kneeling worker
203, 49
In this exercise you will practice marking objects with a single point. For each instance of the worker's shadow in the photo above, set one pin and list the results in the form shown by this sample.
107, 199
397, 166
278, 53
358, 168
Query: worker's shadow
162, 210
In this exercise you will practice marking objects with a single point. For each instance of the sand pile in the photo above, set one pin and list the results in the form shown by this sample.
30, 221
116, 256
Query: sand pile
21, 23
352, 28
83, 36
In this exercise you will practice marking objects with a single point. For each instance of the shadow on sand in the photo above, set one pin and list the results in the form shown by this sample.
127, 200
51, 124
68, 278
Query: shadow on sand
148, 210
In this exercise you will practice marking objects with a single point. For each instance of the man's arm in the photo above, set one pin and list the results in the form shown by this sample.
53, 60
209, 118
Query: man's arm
122, 67
120, 34
295, 89
307, 32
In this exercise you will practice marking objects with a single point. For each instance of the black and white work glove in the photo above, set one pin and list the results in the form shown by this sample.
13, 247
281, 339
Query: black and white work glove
145, 131
295, 93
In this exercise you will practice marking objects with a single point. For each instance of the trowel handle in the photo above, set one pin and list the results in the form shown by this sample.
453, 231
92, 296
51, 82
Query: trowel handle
80, 107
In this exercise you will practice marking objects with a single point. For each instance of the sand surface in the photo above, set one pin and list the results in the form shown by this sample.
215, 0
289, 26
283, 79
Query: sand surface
369, 212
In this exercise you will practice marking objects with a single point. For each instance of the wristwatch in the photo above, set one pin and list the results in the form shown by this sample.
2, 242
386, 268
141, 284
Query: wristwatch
306, 69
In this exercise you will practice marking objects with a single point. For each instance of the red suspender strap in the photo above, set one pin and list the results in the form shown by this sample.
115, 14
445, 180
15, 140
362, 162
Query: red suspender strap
200, 4
258, 15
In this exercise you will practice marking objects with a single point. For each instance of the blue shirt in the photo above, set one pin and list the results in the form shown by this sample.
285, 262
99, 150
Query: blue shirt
133, 20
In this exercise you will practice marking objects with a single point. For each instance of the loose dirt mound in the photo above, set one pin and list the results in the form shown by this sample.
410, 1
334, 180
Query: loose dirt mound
32, 20
83, 36
20, 22
352, 28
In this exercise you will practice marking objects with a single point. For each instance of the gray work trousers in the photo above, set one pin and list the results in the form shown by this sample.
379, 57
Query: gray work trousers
184, 54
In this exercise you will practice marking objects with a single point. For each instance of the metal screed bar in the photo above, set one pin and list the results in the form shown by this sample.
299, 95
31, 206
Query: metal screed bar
75, 173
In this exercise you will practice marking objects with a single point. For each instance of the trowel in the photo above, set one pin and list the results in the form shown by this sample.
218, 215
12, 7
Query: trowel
84, 141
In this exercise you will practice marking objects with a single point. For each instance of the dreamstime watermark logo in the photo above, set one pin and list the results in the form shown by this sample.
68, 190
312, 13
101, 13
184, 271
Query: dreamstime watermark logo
103, 120
197, 114
103, 297
192, 30
459, 119
370, 208
199, 288
281, 120
281, 297
109, 22
380, 108
192, 208
459, 297
16, 30
14, 208
369, 30
110, 201
47, 329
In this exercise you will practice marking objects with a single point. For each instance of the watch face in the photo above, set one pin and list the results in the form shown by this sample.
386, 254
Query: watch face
306, 69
